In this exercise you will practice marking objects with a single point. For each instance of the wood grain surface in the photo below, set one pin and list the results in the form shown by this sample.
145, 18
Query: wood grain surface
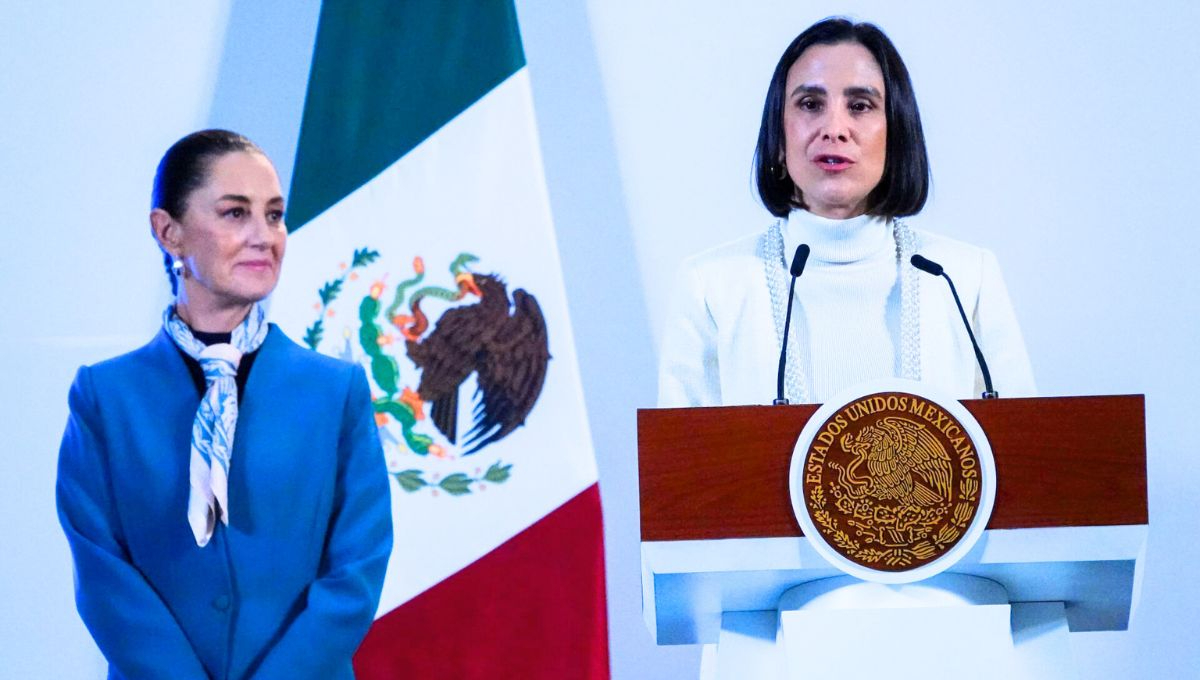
722, 472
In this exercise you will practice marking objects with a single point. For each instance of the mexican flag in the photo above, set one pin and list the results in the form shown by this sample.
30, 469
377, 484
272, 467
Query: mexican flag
422, 248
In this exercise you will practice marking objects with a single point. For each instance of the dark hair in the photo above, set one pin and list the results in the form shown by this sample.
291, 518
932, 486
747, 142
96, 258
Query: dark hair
905, 183
184, 169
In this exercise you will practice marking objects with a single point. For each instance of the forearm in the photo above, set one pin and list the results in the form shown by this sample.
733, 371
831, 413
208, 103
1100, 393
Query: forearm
126, 616
340, 605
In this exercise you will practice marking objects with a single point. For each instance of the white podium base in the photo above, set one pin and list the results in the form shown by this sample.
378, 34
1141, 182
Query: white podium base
950, 626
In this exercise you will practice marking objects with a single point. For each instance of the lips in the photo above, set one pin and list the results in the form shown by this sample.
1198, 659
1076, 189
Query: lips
257, 265
832, 162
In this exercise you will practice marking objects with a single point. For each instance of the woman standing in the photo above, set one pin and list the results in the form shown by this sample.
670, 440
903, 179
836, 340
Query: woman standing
198, 553
840, 160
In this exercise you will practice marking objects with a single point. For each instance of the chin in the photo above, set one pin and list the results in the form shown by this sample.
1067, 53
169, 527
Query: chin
259, 295
248, 295
253, 290
838, 203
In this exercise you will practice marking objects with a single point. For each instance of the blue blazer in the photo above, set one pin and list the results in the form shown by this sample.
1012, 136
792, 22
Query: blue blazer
289, 588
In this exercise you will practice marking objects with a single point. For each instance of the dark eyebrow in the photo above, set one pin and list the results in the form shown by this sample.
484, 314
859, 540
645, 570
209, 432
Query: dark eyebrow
862, 90
808, 89
243, 199
852, 91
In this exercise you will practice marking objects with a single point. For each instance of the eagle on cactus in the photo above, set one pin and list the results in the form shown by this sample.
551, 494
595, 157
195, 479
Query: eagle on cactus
502, 341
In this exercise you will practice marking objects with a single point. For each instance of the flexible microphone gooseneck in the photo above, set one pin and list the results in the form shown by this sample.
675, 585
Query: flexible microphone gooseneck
798, 262
930, 267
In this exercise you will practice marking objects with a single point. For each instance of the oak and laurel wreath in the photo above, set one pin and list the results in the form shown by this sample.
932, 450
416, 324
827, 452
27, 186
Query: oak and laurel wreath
329, 292
892, 557
412, 480
456, 484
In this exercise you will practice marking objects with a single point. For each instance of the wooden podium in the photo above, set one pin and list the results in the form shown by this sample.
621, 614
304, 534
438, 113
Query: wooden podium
719, 538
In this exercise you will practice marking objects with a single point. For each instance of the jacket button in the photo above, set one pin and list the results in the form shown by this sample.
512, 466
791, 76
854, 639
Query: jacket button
221, 602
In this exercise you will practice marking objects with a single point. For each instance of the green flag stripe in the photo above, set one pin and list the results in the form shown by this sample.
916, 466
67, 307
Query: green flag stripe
385, 75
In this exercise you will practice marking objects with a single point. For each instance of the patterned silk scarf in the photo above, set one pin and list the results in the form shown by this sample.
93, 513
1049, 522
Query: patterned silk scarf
216, 419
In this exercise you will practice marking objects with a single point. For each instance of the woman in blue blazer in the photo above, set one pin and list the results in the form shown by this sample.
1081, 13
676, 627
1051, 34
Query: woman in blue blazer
222, 489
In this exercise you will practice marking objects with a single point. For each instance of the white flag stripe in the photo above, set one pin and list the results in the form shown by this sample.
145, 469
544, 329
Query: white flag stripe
475, 186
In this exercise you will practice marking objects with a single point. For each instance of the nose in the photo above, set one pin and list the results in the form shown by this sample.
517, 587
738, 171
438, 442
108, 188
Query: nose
262, 232
836, 125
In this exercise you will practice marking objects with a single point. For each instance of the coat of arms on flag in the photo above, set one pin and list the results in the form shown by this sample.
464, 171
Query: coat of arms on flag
419, 367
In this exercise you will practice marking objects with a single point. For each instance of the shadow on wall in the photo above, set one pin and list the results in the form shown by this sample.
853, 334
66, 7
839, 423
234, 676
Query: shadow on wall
263, 75
607, 304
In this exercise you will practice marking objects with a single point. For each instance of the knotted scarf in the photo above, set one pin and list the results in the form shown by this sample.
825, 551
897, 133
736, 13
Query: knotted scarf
216, 418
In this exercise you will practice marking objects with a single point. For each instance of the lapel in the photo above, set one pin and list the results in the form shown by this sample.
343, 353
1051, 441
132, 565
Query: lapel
264, 407
284, 452
173, 408
265, 375
151, 405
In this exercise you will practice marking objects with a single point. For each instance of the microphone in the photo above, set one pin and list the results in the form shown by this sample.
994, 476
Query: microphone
798, 262
930, 267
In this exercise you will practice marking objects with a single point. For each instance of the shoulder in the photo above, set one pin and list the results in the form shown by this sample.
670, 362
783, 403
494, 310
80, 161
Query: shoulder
321, 388
729, 254
972, 267
279, 345
304, 368
148, 353
958, 257
148, 358
290, 368
722, 267
934, 245
100, 382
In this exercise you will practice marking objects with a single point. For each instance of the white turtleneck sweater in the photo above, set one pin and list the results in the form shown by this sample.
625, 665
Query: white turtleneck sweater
720, 346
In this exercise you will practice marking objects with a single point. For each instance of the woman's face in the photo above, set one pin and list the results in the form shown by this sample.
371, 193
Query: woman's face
835, 128
232, 236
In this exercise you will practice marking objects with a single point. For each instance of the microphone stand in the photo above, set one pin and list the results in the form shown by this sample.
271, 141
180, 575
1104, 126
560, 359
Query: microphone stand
930, 267
797, 268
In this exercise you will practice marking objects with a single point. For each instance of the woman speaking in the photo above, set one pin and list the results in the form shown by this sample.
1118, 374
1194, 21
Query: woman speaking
223, 490
840, 160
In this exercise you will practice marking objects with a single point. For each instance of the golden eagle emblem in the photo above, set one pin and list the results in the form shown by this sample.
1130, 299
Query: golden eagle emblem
891, 481
905, 463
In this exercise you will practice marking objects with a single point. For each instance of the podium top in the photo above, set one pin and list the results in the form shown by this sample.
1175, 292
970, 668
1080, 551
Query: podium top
722, 472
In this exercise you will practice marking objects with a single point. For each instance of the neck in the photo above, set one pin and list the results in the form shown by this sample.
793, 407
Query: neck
838, 212
210, 317
838, 241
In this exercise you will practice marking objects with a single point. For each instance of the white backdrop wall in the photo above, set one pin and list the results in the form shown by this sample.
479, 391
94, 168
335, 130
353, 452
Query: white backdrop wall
90, 96
1062, 137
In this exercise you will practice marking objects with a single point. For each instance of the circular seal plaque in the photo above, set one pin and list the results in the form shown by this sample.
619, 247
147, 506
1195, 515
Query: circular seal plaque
892, 482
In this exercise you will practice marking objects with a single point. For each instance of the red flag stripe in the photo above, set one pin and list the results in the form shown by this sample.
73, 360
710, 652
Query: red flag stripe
533, 608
